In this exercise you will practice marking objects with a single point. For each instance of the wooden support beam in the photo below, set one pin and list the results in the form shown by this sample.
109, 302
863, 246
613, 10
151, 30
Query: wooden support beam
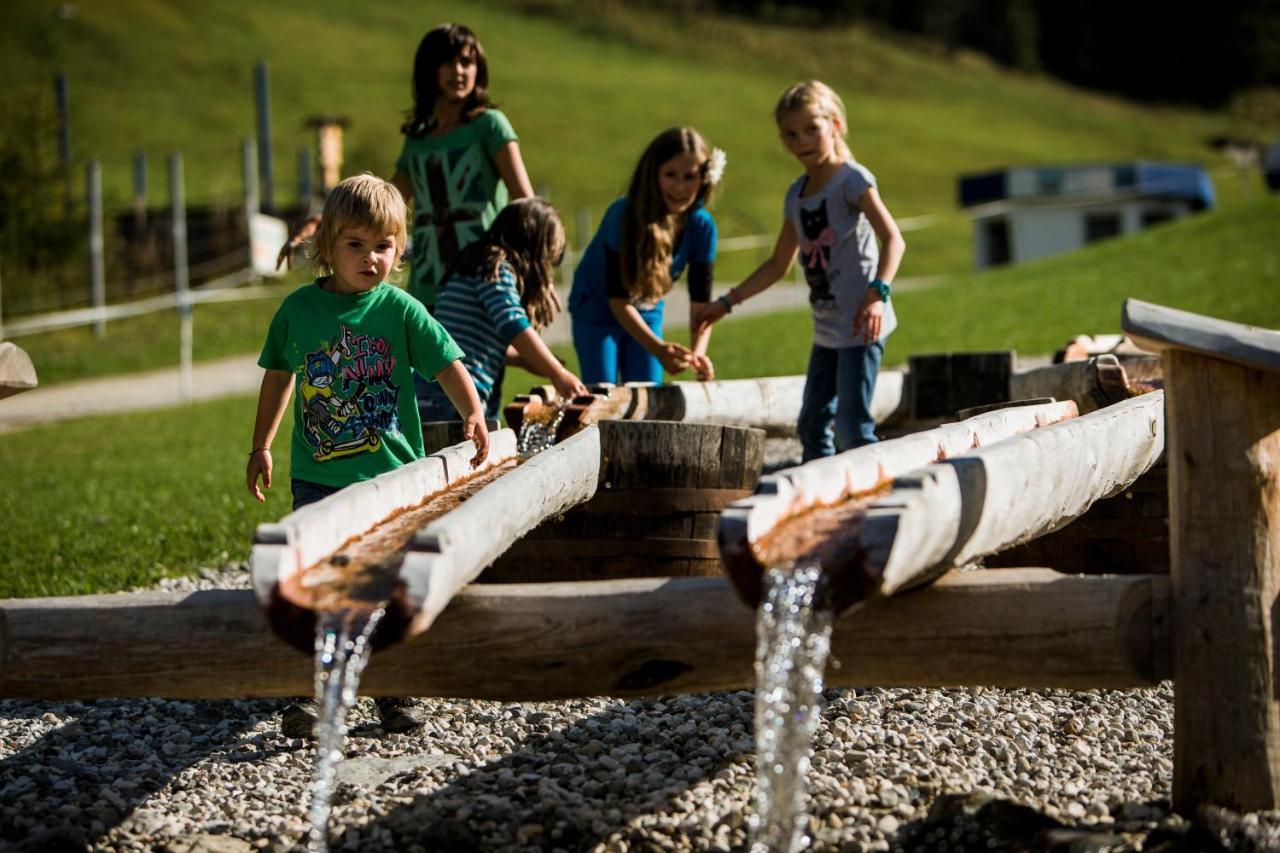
745, 525
958, 510
301, 539
521, 642
1093, 383
1223, 386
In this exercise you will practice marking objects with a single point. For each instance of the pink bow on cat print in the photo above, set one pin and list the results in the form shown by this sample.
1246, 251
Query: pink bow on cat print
815, 259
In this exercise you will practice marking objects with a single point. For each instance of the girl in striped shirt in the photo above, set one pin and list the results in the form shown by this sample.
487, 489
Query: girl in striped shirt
496, 296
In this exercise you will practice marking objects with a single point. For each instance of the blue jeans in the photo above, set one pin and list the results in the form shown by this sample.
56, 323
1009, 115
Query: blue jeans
603, 348
306, 492
837, 393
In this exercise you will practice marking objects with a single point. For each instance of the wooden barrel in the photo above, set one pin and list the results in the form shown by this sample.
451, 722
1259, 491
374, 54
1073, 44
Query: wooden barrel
662, 486
437, 435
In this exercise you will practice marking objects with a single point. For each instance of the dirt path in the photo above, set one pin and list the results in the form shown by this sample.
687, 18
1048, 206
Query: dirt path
225, 377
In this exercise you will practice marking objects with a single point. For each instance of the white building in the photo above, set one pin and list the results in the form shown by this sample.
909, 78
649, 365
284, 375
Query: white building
1028, 212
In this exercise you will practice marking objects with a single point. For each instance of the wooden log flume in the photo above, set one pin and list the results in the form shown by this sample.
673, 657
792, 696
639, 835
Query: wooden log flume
525, 642
745, 526
425, 530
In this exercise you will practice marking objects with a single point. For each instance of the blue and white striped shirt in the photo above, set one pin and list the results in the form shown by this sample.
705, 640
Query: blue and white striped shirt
483, 317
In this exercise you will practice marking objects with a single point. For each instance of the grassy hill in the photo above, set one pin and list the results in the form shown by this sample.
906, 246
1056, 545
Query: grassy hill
585, 84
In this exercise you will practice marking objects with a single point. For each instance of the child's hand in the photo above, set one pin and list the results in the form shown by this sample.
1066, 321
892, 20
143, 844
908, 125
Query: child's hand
285, 258
568, 386
703, 368
869, 319
475, 428
706, 316
674, 357
259, 465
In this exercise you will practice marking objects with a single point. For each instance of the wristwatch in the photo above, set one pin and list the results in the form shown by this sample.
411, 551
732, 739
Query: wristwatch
727, 301
881, 287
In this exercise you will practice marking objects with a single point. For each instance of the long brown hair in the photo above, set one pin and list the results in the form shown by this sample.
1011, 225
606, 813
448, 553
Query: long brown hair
528, 236
444, 44
648, 230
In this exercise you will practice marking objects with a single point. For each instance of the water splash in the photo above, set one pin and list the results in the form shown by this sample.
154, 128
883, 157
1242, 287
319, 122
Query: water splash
539, 432
793, 641
342, 650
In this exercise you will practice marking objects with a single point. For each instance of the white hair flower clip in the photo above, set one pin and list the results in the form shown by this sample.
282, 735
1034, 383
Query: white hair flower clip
715, 166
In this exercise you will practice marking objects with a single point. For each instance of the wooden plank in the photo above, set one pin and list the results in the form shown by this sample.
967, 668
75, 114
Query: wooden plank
1156, 328
17, 373
453, 550
953, 512
661, 500
302, 538
1093, 383
1015, 628
1224, 484
826, 482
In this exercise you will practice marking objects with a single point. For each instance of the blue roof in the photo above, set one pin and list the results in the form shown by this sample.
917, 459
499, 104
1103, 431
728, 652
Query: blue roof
1151, 180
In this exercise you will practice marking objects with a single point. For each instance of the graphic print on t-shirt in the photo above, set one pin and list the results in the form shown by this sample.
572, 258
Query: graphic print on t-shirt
816, 241
449, 218
348, 398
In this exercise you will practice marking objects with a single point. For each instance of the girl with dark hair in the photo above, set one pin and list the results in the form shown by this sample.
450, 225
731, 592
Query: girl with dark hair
459, 165
645, 241
497, 294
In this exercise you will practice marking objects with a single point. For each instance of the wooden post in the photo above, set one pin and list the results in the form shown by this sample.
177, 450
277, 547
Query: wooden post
249, 158
266, 169
305, 183
181, 275
642, 637
1223, 385
97, 262
63, 100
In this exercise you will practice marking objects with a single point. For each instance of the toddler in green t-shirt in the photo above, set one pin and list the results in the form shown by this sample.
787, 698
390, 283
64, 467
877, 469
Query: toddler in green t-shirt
349, 344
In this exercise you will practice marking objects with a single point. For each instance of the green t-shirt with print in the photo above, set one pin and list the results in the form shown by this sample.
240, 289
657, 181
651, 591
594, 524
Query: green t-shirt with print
353, 356
456, 194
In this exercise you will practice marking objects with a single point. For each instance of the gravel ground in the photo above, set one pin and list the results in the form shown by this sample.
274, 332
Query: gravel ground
968, 769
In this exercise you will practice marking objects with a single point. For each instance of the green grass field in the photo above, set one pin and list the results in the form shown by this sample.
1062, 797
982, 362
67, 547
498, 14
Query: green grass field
586, 88
108, 503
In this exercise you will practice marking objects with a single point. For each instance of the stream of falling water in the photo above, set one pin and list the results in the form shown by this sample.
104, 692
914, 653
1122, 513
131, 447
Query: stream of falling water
536, 435
793, 640
342, 650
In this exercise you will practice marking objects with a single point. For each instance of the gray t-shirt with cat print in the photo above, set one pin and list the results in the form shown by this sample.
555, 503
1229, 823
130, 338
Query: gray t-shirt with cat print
838, 253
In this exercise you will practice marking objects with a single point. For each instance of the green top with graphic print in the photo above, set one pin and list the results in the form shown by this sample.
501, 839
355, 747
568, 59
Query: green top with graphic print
457, 192
353, 356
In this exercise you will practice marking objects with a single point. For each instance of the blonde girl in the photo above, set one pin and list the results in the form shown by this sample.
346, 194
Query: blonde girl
834, 217
645, 241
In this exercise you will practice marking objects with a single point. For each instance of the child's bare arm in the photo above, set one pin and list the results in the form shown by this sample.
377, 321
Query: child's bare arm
461, 391
273, 396
511, 169
870, 317
892, 244
540, 360
764, 277
674, 356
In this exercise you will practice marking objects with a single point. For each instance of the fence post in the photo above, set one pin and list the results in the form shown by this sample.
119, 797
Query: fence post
305, 188
266, 170
97, 263
181, 282
139, 189
63, 99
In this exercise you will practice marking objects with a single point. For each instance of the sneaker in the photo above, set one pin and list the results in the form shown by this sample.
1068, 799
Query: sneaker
397, 714
299, 720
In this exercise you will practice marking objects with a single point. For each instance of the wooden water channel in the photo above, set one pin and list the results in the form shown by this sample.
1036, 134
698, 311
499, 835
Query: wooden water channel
606, 554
